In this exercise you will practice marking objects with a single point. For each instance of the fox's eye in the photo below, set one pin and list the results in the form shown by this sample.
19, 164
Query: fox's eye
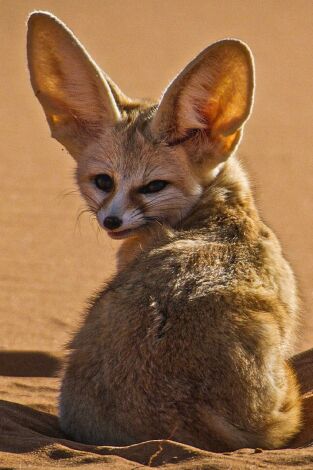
153, 187
104, 182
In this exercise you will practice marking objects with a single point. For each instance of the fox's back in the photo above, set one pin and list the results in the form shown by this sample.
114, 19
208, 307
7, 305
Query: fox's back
230, 261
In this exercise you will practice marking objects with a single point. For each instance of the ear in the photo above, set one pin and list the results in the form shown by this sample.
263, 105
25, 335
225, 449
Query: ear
205, 107
76, 97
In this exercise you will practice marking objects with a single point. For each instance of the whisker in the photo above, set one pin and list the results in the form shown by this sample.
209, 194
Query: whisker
78, 217
91, 200
67, 192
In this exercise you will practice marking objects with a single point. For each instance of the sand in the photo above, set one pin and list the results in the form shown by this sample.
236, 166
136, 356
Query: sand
51, 262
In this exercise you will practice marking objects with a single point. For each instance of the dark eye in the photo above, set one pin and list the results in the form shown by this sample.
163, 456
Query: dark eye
153, 187
104, 182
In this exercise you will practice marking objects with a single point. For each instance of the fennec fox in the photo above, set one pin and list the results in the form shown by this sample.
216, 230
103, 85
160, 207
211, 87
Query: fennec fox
190, 339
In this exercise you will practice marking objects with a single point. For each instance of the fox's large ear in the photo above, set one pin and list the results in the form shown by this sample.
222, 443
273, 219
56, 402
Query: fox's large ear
72, 90
206, 105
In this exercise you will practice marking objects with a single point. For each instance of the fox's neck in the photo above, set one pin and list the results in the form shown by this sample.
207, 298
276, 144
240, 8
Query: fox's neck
228, 192
226, 197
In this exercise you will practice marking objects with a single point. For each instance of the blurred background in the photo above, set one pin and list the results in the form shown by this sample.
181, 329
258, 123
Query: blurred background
50, 262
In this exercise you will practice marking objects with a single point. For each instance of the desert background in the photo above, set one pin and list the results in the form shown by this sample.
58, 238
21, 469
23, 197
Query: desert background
51, 262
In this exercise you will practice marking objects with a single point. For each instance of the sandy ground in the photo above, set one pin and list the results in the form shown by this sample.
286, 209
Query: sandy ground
51, 261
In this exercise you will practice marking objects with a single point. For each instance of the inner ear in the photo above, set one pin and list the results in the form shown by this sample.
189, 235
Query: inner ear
209, 101
72, 90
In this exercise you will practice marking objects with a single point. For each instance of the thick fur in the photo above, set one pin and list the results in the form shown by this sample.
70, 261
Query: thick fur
190, 340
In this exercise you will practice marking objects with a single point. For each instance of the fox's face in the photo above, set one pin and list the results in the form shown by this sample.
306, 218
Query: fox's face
138, 163
129, 181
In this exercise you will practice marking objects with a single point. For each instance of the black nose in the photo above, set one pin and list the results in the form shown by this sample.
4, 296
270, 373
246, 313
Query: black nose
112, 222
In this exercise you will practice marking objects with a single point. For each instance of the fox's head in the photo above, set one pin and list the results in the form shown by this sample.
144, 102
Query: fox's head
139, 162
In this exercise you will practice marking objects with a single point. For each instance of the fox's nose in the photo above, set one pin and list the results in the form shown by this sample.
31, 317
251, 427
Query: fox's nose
112, 222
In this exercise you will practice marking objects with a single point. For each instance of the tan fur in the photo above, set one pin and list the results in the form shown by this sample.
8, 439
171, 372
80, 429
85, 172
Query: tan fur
190, 340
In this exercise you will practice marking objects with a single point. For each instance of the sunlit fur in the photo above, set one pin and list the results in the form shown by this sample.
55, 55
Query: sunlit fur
190, 339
